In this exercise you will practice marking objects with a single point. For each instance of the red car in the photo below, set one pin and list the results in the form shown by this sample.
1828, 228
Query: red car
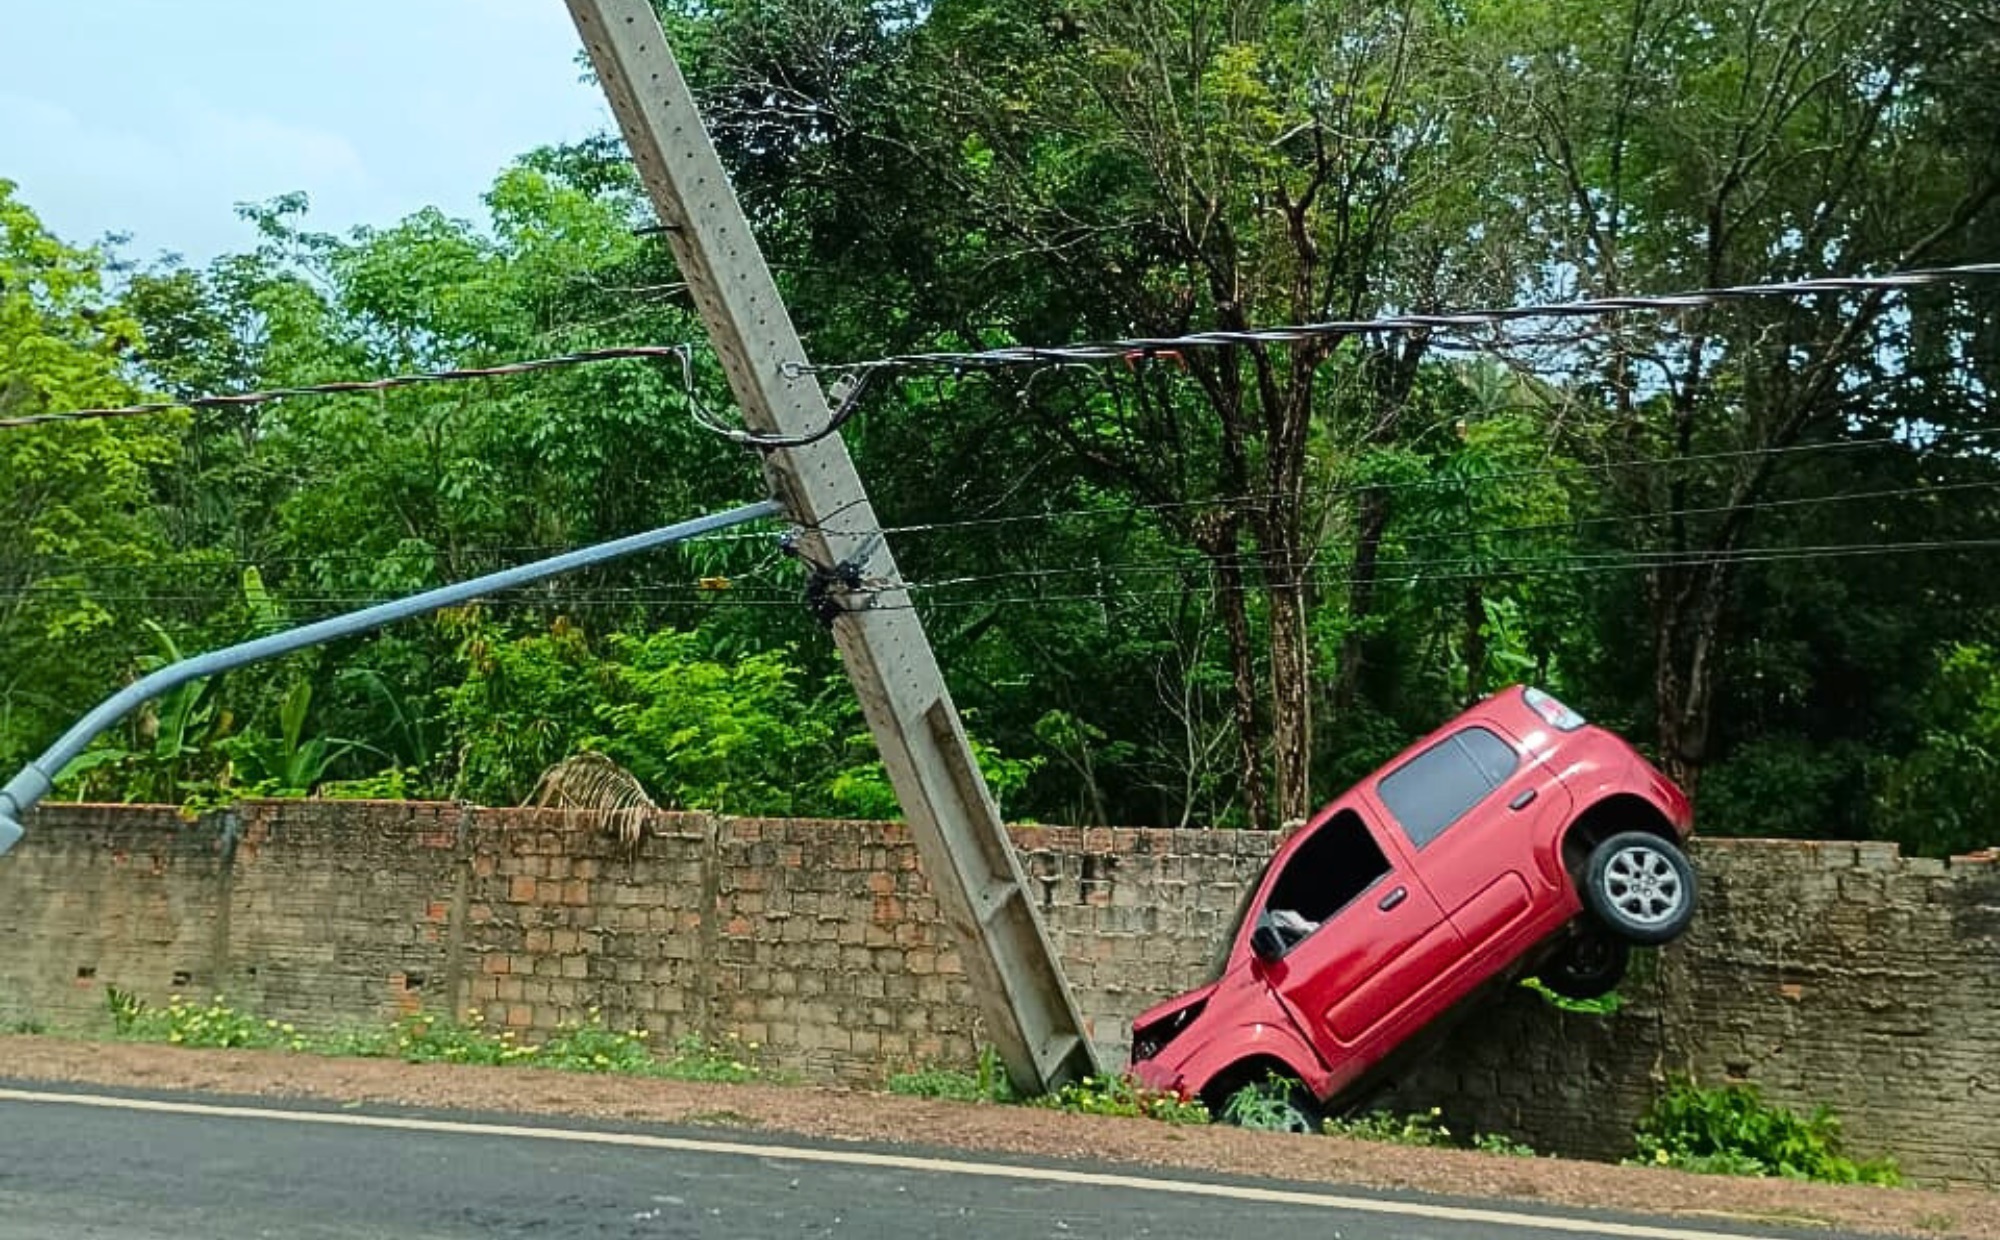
1516, 838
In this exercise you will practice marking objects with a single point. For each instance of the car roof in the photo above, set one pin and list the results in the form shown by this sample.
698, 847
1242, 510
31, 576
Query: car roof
1493, 708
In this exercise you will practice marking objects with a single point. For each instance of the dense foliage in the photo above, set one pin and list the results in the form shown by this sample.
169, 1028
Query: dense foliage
1203, 587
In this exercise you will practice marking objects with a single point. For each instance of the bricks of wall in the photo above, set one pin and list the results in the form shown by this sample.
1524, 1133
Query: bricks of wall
341, 907
99, 895
1827, 973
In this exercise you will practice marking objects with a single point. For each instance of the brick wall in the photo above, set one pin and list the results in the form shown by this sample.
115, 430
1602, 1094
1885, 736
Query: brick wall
1834, 973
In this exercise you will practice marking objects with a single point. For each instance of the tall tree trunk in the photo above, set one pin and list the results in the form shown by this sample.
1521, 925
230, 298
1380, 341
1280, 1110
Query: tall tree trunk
1372, 522
1475, 642
1291, 686
1220, 541
1686, 603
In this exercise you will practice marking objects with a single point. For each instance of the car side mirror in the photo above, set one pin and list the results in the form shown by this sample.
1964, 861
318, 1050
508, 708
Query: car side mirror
1267, 944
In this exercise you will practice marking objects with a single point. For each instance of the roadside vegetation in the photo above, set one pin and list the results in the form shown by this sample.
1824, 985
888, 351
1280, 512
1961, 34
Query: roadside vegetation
1732, 1130
1719, 1130
588, 1045
1727, 1130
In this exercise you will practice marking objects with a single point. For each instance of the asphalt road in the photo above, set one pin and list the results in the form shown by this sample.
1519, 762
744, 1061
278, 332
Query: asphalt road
139, 1167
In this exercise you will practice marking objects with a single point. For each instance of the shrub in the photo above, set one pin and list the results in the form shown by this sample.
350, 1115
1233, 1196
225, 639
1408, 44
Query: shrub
1731, 1130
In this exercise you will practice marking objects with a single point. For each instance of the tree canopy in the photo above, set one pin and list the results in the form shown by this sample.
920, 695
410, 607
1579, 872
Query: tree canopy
1203, 586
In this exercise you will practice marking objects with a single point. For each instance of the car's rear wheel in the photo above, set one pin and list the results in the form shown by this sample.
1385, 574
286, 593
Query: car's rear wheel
1589, 966
1640, 886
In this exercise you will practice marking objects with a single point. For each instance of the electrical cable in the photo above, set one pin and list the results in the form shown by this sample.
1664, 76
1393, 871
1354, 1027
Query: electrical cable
1357, 488
1245, 559
1129, 348
1598, 563
847, 404
1748, 555
343, 387
1252, 559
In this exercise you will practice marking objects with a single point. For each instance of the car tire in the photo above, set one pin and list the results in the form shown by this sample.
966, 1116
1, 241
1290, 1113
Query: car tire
1589, 966
1640, 887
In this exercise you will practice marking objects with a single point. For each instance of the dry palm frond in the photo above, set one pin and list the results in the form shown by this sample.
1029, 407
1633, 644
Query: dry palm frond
590, 781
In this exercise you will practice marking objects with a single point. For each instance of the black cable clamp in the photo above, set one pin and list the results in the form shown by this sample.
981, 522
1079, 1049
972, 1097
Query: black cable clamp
828, 587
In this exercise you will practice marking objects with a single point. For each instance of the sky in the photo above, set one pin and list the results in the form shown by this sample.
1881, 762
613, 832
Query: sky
155, 117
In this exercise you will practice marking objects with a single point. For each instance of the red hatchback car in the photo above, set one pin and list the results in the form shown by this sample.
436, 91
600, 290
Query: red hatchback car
1515, 838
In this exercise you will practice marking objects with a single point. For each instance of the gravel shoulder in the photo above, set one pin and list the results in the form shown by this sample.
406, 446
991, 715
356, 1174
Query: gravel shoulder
862, 1116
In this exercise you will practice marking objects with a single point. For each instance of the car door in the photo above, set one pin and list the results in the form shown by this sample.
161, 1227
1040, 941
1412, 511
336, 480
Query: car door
1380, 935
1472, 810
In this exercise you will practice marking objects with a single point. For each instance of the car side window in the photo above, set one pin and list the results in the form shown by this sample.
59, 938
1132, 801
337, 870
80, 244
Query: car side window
1436, 788
1339, 862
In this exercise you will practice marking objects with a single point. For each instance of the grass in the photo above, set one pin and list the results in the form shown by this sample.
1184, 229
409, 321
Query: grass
587, 1045
986, 1083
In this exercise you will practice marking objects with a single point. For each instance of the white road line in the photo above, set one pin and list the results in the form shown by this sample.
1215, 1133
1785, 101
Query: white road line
894, 1162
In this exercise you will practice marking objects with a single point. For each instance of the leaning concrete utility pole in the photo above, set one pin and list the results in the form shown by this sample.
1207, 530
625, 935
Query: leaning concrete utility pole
1030, 1015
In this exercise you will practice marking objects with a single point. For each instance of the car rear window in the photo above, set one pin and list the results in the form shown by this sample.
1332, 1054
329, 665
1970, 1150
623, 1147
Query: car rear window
1435, 789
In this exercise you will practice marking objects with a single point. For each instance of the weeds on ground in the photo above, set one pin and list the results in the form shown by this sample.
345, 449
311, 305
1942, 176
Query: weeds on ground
1118, 1095
587, 1045
425, 1037
1731, 1130
184, 1022
355, 1042
1499, 1143
1268, 1105
729, 1060
986, 1083
1426, 1129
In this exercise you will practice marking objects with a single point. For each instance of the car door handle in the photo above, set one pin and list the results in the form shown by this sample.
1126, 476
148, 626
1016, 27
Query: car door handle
1393, 899
1522, 798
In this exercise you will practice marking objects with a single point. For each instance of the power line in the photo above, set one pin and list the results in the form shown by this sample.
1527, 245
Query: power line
1623, 563
1130, 348
680, 352
1358, 488
1246, 558
1253, 559
1087, 352
1493, 570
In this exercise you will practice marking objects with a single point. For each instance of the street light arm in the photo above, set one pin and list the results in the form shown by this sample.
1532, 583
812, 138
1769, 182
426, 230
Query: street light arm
34, 780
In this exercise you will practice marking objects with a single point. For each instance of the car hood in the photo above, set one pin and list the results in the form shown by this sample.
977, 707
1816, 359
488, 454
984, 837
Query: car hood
1160, 1011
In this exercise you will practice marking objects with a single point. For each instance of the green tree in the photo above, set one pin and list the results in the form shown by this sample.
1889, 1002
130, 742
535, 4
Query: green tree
1684, 144
78, 541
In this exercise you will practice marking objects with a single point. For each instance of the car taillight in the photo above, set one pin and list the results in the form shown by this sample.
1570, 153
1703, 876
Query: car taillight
1553, 713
